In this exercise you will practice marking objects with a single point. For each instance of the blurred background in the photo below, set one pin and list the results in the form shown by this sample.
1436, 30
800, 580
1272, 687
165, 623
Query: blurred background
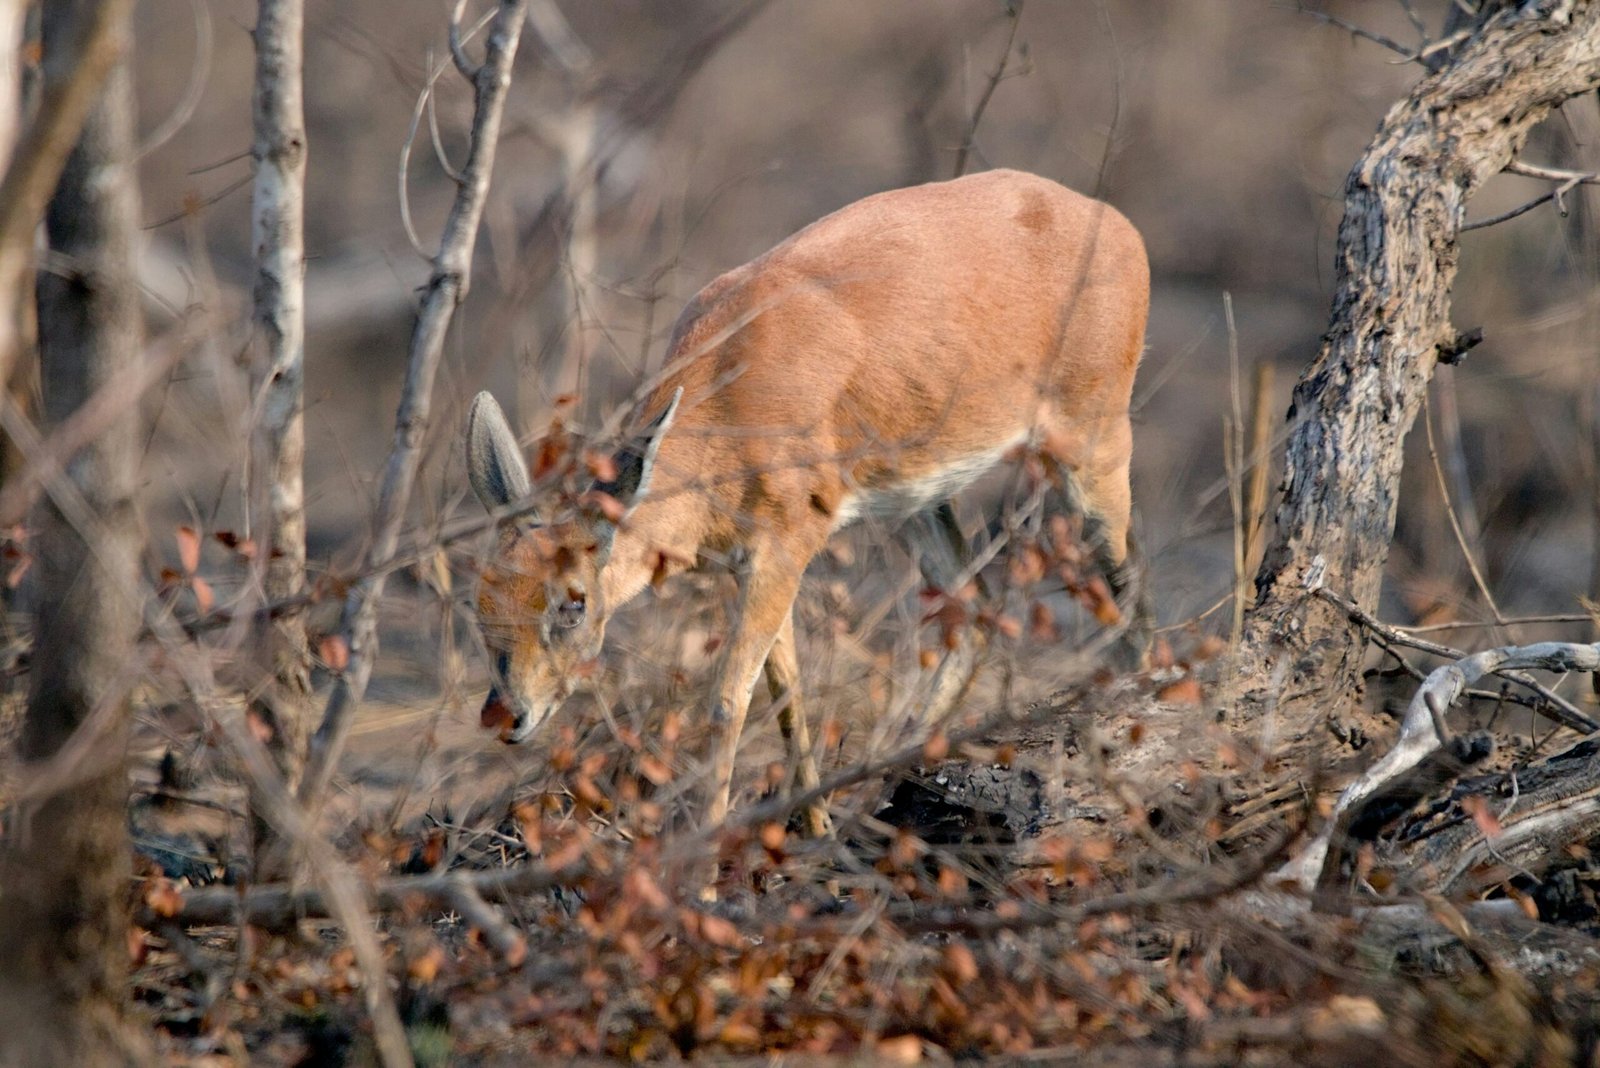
650, 145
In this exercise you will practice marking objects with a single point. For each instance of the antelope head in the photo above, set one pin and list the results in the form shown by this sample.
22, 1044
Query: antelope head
541, 601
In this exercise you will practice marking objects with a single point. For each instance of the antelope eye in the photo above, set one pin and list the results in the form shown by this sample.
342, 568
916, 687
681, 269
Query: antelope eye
569, 613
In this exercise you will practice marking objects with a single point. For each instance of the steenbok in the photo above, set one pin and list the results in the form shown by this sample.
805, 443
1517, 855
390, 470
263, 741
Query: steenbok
873, 364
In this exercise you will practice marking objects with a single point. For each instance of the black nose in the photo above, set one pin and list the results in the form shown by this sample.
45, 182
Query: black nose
496, 714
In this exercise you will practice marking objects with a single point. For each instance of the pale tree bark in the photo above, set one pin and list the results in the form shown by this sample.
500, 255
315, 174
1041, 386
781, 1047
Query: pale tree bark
65, 871
1405, 202
451, 278
277, 449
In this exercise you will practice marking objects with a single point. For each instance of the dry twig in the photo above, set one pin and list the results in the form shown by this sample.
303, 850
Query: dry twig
452, 275
1557, 708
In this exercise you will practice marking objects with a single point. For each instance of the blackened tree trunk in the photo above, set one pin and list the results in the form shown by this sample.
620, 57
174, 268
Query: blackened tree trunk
1405, 202
64, 873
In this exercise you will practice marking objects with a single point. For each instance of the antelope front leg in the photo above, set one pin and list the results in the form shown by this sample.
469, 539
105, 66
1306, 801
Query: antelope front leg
783, 680
767, 594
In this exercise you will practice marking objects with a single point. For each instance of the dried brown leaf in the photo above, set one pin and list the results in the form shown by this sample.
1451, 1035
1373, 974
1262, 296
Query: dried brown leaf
601, 465
335, 652
259, 728
188, 548
900, 1049
655, 769
424, 967
1184, 691
1478, 808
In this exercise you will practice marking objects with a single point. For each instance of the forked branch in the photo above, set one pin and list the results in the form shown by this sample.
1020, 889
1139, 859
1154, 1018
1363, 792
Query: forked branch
1422, 733
451, 278
1565, 182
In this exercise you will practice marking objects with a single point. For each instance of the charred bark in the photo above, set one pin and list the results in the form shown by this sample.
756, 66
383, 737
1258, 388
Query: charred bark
65, 867
1405, 203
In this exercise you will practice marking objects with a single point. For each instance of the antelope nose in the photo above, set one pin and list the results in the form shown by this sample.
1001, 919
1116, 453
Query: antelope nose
496, 714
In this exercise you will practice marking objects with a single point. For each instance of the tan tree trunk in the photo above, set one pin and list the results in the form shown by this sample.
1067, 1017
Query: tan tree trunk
64, 873
1405, 202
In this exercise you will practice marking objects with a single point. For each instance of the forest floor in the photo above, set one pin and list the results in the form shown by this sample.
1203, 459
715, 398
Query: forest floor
1087, 880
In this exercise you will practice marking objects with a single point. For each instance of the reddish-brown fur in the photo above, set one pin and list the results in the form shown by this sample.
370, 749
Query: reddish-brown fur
886, 352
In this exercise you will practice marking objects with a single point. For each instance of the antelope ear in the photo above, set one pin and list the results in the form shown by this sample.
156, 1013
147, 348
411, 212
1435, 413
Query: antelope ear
495, 466
635, 464
636, 460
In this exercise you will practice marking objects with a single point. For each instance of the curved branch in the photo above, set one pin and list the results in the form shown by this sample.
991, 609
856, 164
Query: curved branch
194, 92
458, 51
447, 288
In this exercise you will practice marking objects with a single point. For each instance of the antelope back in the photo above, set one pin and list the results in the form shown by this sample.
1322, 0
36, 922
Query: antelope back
886, 355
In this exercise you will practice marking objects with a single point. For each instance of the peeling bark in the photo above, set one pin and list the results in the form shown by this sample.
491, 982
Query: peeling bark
1405, 202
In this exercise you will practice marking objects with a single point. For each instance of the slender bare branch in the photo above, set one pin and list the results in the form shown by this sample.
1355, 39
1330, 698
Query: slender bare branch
1561, 710
85, 425
195, 91
1566, 181
1014, 13
423, 105
458, 51
1463, 517
556, 35
506, 939
1354, 30
452, 273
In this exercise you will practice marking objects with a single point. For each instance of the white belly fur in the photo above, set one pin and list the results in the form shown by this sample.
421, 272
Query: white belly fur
901, 500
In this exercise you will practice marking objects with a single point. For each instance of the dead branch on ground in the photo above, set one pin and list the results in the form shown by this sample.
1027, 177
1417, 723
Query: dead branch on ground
1423, 733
